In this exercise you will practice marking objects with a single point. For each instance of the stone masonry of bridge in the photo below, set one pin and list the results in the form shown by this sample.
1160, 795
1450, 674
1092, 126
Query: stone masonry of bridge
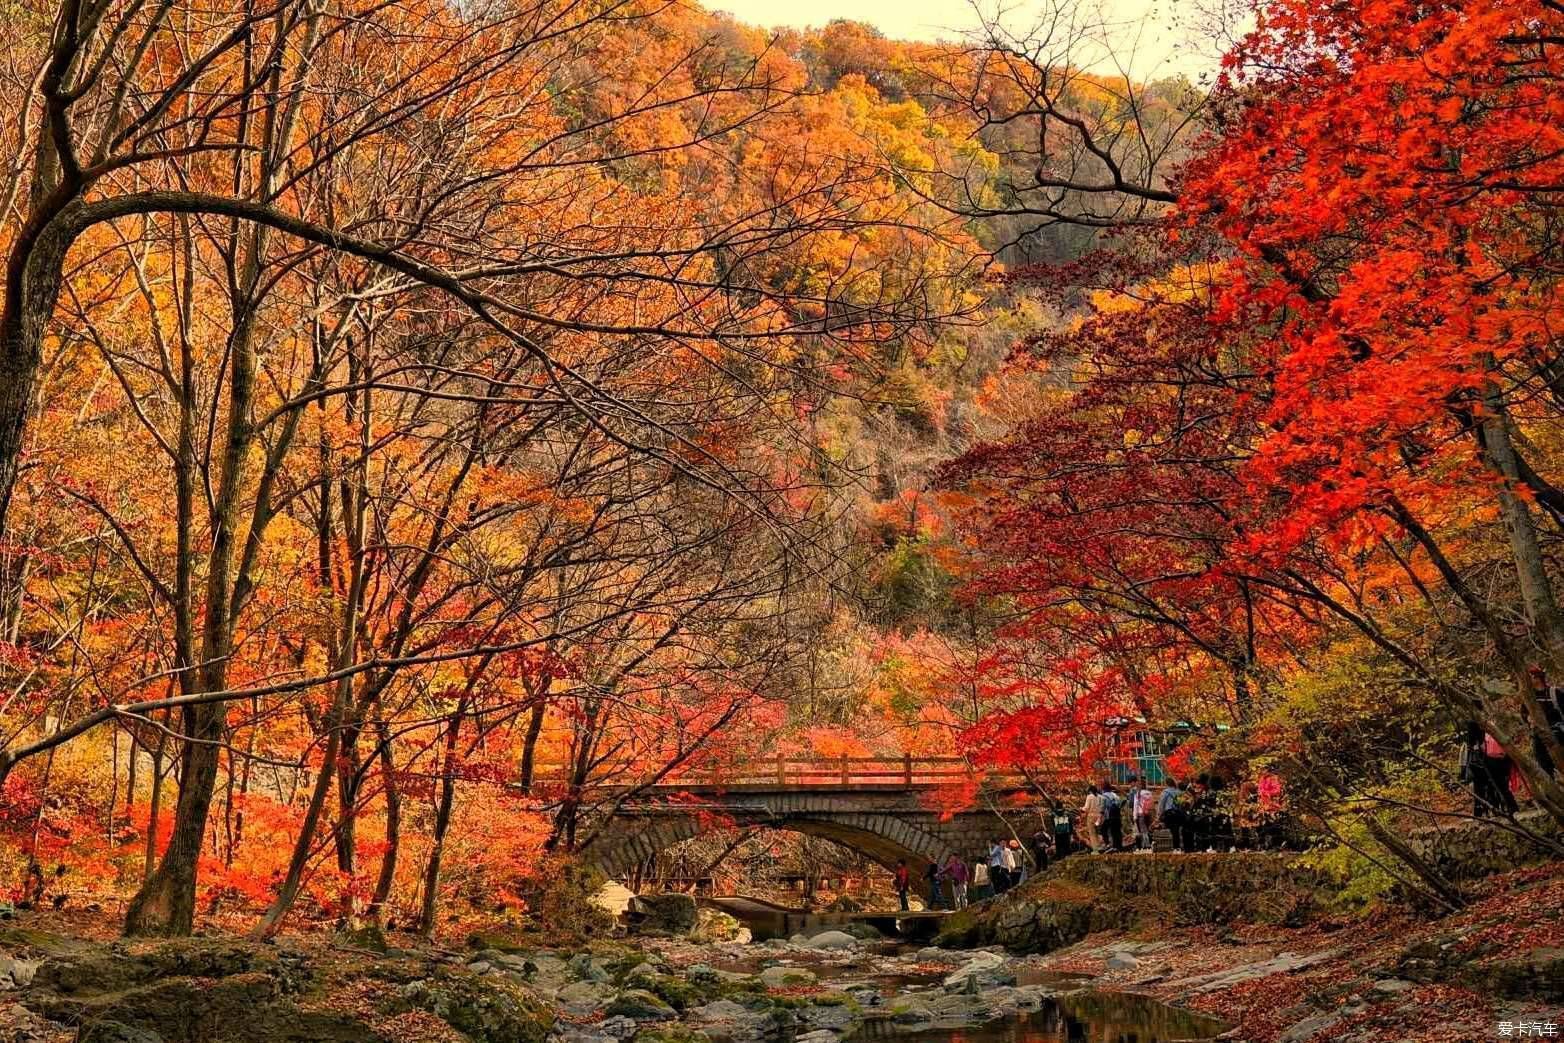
883, 823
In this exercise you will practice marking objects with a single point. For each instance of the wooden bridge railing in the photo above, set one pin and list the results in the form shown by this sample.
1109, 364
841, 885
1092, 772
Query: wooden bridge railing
785, 772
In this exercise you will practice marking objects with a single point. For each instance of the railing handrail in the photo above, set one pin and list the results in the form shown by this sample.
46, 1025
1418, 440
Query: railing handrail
787, 770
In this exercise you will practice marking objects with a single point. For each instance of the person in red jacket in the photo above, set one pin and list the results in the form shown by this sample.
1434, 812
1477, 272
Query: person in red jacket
903, 882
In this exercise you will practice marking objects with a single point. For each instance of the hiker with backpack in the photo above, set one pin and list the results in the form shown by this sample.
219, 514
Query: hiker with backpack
1110, 824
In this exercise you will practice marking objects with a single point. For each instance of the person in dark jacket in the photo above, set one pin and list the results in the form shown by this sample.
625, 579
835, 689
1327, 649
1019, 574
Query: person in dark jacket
1112, 827
1169, 814
931, 876
1038, 842
1548, 699
1064, 831
1497, 766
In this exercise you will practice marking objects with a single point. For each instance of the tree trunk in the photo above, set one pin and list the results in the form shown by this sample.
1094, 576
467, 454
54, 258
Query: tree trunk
34, 274
529, 747
165, 905
302, 846
154, 809
442, 824
387, 877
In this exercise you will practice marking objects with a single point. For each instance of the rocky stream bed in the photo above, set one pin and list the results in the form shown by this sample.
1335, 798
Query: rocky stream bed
677, 988
1122, 949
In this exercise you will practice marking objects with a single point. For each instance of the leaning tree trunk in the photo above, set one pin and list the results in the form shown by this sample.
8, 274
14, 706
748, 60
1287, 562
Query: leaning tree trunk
35, 273
303, 844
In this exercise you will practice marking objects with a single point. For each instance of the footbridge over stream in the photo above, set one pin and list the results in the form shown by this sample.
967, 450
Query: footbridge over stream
876, 805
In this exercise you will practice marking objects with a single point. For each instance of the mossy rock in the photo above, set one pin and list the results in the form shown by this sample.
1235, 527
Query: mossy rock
481, 940
664, 914
116, 1032
369, 937
836, 999
563, 907
713, 925
128, 965
864, 932
640, 1005
742, 990
486, 1010
677, 992
674, 1033
1087, 893
179, 1010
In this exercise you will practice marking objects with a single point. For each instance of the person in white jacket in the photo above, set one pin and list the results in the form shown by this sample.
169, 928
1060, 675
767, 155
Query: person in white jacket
1091, 811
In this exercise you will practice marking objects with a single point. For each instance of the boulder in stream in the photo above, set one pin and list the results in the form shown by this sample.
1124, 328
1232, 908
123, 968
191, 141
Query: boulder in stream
831, 940
664, 913
640, 1005
786, 977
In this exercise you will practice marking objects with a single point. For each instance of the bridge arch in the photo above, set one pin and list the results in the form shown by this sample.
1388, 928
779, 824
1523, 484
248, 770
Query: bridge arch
628, 840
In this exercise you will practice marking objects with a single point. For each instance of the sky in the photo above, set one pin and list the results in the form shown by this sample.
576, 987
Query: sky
1160, 32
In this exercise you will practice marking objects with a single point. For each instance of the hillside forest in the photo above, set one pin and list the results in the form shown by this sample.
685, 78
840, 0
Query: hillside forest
427, 427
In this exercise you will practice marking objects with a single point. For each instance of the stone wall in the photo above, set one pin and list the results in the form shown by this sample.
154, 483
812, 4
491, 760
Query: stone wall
1476, 848
1089, 893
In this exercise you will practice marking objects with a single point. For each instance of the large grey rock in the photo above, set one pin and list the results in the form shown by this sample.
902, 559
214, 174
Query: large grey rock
618, 1027
831, 940
641, 975
1122, 961
584, 997
510, 961
721, 1010
831, 1017
588, 968
724, 1019
817, 1036
546, 972
983, 970
714, 925
17, 973
934, 954
665, 913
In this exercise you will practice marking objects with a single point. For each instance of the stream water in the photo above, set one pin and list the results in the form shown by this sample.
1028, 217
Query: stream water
1090, 1017
1079, 1014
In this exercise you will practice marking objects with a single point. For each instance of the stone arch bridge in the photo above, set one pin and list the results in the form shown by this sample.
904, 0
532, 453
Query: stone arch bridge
876, 806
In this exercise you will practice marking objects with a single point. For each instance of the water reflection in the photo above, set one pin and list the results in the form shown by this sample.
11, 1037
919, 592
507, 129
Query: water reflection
1088, 1017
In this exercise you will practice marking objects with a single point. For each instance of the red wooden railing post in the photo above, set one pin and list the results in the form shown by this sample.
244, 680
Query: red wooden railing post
906, 768
781, 771
845, 770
